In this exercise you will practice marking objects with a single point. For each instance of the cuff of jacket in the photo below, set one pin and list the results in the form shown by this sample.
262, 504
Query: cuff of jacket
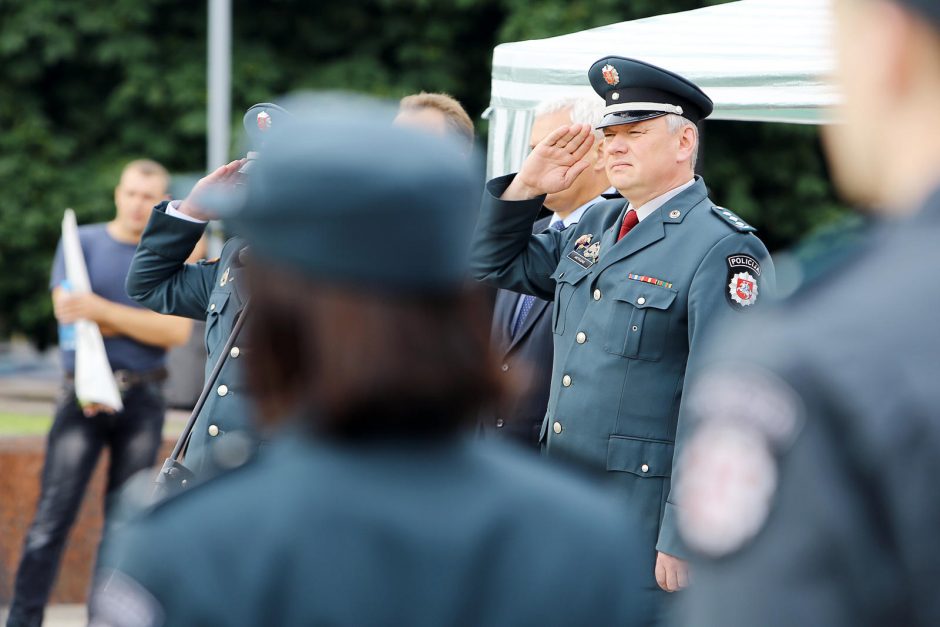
169, 237
670, 541
508, 215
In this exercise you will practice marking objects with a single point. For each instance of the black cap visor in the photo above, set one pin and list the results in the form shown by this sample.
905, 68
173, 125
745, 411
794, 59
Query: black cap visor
628, 117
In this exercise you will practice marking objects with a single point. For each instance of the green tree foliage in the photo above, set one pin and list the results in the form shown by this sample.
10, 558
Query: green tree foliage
85, 87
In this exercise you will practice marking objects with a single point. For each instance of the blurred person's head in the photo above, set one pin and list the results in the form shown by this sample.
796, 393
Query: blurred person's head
142, 185
361, 322
551, 114
885, 152
438, 113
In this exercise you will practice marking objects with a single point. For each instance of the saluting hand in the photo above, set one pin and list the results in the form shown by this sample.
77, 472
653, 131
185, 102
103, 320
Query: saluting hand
222, 176
553, 164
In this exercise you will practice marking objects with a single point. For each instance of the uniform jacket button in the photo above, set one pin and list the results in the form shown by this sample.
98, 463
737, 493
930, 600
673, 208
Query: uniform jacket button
566, 380
212, 307
581, 338
499, 423
645, 467
597, 294
223, 390
556, 427
641, 301
235, 352
213, 430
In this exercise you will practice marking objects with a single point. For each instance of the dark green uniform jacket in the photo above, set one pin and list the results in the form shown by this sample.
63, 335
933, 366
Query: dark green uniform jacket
214, 291
838, 523
627, 320
429, 533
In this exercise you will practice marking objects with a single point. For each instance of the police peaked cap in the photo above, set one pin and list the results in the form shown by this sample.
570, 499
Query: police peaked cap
634, 91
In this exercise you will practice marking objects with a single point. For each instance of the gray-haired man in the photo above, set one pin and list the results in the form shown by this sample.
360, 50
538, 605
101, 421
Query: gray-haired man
521, 332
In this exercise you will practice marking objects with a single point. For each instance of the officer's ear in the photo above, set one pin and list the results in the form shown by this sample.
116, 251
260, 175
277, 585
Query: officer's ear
688, 143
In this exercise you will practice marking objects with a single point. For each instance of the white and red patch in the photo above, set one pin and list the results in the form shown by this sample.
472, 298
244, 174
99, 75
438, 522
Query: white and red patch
743, 289
725, 488
610, 74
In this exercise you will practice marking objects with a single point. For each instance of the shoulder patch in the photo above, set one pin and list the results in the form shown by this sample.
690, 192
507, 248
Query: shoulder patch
732, 219
727, 474
744, 281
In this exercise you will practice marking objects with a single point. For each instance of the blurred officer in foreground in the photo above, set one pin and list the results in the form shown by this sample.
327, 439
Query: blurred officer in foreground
210, 290
636, 285
371, 507
811, 490
522, 324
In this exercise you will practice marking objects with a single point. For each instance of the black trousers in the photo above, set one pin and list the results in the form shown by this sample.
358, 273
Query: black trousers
72, 451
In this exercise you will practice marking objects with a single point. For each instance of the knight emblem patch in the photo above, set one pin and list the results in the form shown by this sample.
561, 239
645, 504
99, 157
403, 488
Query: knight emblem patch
743, 281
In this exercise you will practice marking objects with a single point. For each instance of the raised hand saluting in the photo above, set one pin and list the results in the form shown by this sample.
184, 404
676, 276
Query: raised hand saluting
553, 164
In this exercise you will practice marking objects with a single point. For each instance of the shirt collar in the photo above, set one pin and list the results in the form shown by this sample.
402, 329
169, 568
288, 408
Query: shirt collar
646, 209
575, 216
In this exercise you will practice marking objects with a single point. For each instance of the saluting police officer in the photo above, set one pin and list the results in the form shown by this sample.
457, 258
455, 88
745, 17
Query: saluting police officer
635, 284
811, 492
375, 507
213, 290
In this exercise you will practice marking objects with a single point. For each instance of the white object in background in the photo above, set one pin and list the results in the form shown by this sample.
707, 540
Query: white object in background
94, 380
758, 60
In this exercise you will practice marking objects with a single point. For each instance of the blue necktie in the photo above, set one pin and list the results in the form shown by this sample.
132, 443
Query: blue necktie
528, 300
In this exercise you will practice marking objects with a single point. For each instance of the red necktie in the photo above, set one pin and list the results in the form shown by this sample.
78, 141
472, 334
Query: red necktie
629, 221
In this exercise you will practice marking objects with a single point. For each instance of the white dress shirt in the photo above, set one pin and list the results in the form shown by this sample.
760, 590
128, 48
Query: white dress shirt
647, 208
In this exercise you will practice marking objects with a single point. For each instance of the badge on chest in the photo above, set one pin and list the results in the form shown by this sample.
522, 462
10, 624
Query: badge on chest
585, 252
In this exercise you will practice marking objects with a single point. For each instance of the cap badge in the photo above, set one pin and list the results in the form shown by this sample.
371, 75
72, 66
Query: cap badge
675, 213
611, 76
264, 121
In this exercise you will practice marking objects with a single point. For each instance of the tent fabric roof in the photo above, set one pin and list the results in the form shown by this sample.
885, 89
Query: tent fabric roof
759, 60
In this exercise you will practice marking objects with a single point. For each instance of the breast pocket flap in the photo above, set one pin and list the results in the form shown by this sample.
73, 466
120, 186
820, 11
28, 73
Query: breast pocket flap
643, 458
644, 296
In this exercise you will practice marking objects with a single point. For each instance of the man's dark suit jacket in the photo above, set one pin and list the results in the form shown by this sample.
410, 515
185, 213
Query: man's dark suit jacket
526, 361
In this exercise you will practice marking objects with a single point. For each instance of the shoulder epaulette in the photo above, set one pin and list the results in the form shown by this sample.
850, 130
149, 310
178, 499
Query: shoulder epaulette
731, 218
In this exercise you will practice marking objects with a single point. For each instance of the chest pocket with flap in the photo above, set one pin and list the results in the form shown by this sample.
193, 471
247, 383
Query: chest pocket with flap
567, 277
639, 320
215, 330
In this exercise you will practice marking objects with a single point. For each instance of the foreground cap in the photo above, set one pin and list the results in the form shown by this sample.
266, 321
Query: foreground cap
634, 91
929, 9
351, 199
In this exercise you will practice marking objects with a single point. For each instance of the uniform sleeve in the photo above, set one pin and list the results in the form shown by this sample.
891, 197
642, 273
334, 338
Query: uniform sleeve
721, 290
505, 253
159, 277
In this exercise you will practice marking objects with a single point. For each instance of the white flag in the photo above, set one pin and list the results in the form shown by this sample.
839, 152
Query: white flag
94, 379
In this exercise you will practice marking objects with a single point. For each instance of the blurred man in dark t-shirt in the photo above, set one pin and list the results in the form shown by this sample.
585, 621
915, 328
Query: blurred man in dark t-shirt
136, 341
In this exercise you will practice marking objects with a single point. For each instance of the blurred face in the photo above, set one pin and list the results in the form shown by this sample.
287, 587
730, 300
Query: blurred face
853, 146
645, 159
425, 119
574, 196
135, 197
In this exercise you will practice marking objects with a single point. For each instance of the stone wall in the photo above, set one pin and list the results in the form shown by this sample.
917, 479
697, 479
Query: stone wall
21, 461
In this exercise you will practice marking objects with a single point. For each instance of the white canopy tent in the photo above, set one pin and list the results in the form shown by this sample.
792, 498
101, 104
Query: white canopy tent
759, 60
